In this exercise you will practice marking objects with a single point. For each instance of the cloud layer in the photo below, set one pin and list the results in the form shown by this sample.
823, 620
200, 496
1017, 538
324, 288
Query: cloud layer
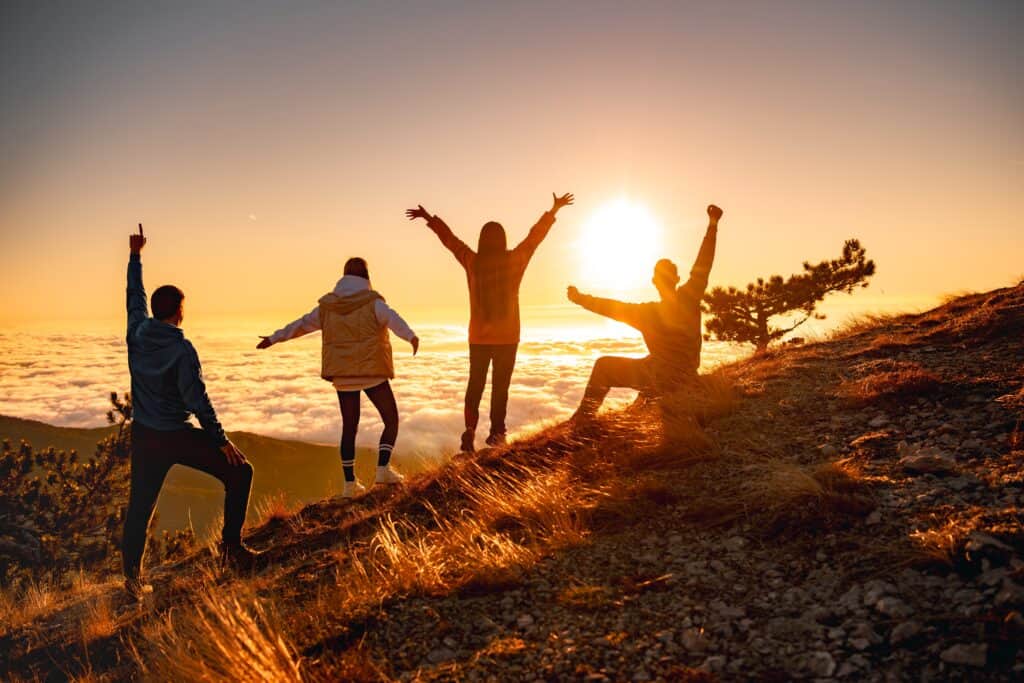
64, 379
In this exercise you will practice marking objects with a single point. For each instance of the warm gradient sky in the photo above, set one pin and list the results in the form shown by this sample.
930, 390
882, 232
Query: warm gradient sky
263, 143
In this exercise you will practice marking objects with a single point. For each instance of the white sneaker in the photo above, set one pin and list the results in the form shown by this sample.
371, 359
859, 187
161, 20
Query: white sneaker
386, 475
352, 489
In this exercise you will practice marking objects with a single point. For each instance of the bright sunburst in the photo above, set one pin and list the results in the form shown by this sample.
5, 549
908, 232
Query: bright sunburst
618, 247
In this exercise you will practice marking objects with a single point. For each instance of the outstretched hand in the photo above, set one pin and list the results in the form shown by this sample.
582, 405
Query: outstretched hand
265, 343
558, 202
572, 293
137, 242
714, 213
418, 212
415, 341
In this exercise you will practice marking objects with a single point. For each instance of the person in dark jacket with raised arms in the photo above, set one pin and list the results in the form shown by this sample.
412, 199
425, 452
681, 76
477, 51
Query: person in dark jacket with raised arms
671, 328
167, 386
493, 274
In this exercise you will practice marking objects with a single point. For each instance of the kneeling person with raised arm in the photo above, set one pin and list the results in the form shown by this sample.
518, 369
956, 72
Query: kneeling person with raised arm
671, 328
356, 357
167, 386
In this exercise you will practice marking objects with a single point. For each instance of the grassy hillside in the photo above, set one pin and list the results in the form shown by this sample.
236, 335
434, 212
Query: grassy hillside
289, 472
849, 509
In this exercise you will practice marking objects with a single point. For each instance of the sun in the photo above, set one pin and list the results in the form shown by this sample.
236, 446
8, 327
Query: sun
618, 247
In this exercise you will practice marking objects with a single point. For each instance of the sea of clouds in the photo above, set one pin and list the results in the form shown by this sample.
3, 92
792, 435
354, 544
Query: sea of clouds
65, 379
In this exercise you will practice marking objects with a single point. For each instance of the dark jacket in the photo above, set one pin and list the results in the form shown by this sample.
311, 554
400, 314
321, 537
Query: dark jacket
167, 380
493, 274
671, 327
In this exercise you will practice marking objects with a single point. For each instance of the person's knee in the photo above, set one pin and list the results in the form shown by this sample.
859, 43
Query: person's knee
242, 474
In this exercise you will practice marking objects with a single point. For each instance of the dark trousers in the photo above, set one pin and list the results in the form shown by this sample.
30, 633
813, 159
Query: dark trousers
615, 371
503, 356
154, 452
383, 399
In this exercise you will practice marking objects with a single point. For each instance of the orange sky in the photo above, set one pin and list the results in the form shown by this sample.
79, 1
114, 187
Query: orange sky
263, 145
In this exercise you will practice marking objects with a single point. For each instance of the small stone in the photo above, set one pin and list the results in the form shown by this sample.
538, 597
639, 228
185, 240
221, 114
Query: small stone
967, 654
524, 620
874, 518
904, 631
821, 664
879, 421
828, 450
442, 654
694, 640
714, 664
893, 607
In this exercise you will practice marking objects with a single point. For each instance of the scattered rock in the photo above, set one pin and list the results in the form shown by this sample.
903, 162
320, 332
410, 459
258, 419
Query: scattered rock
972, 654
904, 631
925, 460
821, 664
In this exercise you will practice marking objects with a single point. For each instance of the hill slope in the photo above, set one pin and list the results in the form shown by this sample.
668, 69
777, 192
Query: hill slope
294, 471
851, 509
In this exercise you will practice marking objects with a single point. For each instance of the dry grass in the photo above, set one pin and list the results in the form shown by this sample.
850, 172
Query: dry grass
225, 639
20, 608
98, 620
780, 497
890, 380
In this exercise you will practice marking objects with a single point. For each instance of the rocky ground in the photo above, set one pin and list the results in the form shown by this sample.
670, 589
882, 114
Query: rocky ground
926, 585
856, 514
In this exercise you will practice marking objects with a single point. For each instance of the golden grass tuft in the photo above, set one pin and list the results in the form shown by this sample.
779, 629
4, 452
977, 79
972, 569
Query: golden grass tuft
98, 621
224, 639
890, 380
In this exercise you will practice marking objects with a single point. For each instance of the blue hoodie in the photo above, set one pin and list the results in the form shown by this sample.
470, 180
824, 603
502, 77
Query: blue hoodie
167, 380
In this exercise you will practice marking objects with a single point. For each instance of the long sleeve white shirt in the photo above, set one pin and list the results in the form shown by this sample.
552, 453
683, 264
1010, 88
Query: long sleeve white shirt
386, 317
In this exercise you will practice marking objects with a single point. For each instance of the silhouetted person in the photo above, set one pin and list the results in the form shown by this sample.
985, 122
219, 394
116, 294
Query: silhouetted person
671, 328
494, 274
167, 386
356, 357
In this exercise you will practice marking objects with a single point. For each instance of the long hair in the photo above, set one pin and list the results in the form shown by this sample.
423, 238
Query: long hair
490, 266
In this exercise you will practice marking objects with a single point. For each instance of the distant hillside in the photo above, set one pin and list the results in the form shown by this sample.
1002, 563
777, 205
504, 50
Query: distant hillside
300, 471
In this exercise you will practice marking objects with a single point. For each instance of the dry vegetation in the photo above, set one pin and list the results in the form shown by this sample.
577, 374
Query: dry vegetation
742, 451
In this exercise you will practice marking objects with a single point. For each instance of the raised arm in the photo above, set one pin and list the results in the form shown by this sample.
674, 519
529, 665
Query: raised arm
296, 328
631, 314
138, 310
701, 270
542, 227
463, 254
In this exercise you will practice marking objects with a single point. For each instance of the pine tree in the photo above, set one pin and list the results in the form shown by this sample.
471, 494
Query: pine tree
746, 316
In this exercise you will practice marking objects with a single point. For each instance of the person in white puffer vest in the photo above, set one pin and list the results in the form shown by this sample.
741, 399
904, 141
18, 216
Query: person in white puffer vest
355, 358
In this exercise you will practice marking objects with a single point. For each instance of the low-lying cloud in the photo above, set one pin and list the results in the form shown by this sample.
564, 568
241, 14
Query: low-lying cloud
65, 380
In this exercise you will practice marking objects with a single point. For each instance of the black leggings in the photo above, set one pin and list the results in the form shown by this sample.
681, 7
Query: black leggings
383, 400
480, 358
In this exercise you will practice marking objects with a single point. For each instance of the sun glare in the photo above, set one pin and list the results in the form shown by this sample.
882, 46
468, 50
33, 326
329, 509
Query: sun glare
618, 247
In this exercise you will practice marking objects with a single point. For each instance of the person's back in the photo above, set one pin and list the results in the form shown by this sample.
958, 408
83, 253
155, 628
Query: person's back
671, 328
493, 275
356, 357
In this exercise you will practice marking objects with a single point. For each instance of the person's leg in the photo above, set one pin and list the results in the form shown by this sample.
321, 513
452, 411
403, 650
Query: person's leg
479, 360
349, 402
195, 449
501, 378
609, 372
148, 469
383, 399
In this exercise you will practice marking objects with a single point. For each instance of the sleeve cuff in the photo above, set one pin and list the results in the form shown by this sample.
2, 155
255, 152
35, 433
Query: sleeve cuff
134, 257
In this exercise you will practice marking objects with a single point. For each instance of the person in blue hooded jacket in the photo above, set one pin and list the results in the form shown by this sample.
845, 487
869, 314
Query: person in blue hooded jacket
167, 386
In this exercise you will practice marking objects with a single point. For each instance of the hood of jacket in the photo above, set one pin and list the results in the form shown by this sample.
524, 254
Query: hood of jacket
351, 293
153, 335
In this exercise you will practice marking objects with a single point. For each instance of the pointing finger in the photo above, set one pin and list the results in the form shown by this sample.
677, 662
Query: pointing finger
141, 234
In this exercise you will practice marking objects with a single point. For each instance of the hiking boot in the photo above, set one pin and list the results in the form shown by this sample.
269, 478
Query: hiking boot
386, 475
467, 441
136, 588
239, 557
352, 489
496, 439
